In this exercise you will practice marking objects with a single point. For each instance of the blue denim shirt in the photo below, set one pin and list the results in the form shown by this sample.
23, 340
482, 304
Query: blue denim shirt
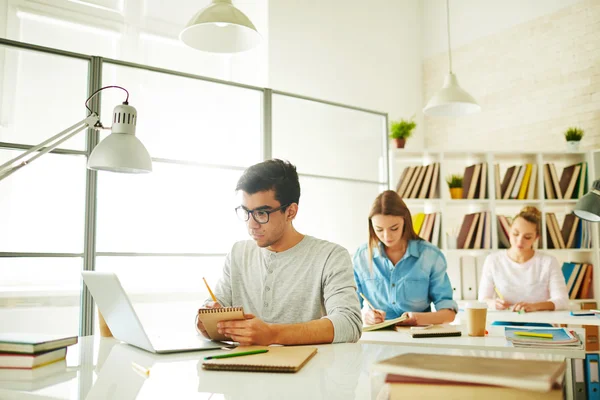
416, 281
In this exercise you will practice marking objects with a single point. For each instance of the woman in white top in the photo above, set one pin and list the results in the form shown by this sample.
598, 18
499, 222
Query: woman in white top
525, 278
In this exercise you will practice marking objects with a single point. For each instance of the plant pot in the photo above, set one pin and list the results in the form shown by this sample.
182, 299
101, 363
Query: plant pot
573, 145
456, 193
400, 143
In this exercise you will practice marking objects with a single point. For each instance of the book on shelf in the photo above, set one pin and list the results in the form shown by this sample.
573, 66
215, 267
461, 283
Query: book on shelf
548, 187
32, 343
511, 183
578, 279
497, 183
20, 360
532, 188
536, 375
514, 194
475, 231
419, 182
525, 184
504, 223
568, 179
407, 387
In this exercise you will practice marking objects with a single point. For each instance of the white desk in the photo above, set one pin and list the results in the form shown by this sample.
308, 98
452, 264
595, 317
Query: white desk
548, 317
495, 341
340, 371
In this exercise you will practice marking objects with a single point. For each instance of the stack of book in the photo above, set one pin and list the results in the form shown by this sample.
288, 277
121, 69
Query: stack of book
437, 376
572, 183
29, 360
420, 182
556, 338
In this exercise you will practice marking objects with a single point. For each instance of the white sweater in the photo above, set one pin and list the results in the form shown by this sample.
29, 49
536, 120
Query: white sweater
539, 279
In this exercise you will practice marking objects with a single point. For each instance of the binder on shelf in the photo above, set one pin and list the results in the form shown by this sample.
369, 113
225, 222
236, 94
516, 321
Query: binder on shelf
592, 377
579, 387
469, 277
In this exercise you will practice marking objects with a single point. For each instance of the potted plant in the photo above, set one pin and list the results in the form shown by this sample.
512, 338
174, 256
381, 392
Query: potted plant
401, 130
455, 184
573, 136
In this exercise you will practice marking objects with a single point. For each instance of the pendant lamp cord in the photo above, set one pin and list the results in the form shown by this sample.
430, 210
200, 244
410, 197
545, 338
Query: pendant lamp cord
448, 26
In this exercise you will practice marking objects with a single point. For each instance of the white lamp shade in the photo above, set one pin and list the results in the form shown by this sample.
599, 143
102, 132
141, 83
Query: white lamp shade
220, 28
121, 152
451, 100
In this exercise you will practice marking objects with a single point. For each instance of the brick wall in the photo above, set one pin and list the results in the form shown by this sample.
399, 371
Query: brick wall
533, 81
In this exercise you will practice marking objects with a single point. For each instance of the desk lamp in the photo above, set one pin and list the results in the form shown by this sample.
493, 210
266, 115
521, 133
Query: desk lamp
120, 151
588, 207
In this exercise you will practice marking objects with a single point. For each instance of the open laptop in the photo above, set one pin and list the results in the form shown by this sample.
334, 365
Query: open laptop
121, 318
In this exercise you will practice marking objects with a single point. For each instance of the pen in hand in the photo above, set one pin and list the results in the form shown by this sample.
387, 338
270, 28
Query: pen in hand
370, 305
238, 354
210, 291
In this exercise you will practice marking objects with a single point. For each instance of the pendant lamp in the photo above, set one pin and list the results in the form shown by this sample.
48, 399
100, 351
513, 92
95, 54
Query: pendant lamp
220, 28
451, 100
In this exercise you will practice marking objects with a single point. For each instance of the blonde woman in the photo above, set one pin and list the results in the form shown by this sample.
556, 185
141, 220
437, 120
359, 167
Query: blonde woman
525, 278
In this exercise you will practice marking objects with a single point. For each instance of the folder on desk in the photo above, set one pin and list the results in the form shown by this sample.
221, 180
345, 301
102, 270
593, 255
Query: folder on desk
592, 375
579, 389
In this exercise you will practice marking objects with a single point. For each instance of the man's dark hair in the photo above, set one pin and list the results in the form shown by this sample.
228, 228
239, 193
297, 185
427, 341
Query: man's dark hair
277, 175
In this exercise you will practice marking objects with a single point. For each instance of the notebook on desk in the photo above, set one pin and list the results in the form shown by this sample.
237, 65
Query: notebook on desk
211, 316
434, 331
385, 324
277, 359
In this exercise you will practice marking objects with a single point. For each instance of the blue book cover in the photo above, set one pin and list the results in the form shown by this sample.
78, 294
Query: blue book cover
559, 335
592, 376
567, 270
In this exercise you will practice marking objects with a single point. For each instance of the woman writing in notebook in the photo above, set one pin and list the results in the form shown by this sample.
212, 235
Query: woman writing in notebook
398, 272
522, 277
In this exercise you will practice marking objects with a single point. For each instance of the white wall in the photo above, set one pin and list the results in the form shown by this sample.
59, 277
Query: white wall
355, 52
473, 19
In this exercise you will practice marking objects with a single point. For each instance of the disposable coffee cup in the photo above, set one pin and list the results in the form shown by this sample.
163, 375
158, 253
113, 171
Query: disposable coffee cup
476, 315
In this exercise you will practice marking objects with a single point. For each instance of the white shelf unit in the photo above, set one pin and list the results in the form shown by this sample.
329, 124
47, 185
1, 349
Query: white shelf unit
453, 211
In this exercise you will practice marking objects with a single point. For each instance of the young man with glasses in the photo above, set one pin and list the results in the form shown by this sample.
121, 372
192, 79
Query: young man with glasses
297, 289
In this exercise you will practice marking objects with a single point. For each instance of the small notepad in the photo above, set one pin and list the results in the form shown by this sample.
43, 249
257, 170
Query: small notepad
277, 359
211, 316
384, 324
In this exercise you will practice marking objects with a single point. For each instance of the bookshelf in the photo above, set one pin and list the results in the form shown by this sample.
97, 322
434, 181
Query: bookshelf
452, 211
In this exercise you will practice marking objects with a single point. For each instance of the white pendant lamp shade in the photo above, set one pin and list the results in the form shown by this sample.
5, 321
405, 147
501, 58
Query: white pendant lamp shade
451, 100
220, 28
121, 151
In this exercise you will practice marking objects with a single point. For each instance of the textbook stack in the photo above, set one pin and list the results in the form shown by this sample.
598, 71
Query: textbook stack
579, 279
427, 226
557, 338
437, 376
32, 360
420, 182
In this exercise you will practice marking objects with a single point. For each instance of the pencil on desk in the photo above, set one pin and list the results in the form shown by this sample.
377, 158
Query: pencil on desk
533, 334
210, 291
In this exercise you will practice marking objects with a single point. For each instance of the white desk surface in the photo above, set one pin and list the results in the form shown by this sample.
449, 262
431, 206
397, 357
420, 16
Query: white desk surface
494, 341
101, 369
549, 317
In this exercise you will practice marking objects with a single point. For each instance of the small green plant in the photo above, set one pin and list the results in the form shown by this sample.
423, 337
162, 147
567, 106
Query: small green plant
574, 134
402, 129
454, 181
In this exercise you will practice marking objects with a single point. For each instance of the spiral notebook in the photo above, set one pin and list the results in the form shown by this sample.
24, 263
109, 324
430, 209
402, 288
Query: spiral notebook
277, 359
211, 316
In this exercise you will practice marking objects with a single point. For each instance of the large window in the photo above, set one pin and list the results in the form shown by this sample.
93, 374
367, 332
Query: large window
164, 231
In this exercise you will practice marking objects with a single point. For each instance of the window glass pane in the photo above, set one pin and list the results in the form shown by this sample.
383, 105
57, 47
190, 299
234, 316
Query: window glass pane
175, 208
33, 108
40, 295
171, 291
188, 119
336, 210
42, 206
321, 139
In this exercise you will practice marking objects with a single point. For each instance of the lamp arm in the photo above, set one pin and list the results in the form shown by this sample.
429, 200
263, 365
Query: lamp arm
48, 145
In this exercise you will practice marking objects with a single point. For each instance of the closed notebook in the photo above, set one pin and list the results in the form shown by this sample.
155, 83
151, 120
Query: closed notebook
211, 316
31, 343
277, 359
385, 324
434, 331
19, 360
406, 387
538, 375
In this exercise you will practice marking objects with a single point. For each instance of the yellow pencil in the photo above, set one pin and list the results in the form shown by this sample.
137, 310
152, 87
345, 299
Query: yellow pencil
210, 291
498, 293
533, 334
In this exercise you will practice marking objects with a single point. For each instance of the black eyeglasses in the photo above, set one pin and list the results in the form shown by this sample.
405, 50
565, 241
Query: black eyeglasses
260, 216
